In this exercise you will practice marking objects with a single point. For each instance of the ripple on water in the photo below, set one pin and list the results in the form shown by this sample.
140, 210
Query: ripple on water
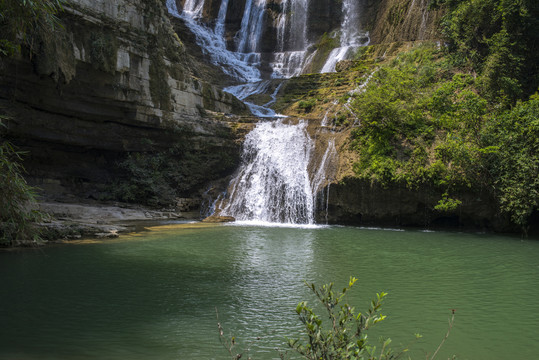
155, 295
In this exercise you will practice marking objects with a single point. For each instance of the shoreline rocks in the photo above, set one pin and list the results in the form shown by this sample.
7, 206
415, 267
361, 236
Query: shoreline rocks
74, 221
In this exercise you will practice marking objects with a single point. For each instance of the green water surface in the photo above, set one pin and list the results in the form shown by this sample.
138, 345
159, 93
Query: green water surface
154, 295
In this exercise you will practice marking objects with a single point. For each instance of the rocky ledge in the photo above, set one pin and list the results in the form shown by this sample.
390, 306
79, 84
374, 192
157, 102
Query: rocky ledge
73, 221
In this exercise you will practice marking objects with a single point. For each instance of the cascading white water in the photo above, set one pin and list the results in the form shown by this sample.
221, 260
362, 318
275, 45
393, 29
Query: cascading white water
273, 182
293, 33
287, 64
221, 17
289, 55
252, 25
243, 91
320, 179
212, 42
351, 36
173, 8
193, 8
273, 96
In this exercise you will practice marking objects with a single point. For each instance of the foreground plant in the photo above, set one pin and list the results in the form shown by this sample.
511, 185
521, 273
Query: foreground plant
345, 336
17, 200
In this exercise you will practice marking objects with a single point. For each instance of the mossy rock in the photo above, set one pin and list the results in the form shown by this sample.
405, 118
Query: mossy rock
219, 219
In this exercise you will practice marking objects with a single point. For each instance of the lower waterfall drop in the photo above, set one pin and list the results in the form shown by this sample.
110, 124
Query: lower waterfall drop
273, 182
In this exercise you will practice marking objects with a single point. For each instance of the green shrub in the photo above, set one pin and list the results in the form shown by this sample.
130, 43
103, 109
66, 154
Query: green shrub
447, 204
307, 105
339, 333
513, 162
17, 201
343, 336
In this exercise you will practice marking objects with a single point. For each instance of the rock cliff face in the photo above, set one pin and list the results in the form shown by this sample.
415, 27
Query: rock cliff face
354, 201
115, 80
402, 20
121, 93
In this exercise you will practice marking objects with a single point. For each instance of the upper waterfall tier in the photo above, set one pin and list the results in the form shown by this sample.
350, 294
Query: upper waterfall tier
351, 35
284, 38
254, 39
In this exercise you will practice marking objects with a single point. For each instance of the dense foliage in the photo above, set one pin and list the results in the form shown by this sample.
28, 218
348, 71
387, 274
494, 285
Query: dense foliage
498, 39
17, 217
515, 164
21, 21
459, 117
427, 121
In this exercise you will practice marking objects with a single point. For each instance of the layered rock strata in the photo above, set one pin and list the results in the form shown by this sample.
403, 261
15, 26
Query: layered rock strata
115, 80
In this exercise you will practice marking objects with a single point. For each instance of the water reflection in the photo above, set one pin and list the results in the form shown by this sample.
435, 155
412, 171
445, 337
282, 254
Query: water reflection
155, 295
270, 268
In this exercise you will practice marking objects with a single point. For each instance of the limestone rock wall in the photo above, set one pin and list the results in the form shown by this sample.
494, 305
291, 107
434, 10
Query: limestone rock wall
116, 79
401, 20
358, 202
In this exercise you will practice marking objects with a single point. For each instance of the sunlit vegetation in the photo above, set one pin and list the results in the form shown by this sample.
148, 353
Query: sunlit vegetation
427, 121
459, 116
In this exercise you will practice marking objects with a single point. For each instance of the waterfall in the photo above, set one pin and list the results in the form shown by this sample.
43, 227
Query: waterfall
289, 42
273, 184
320, 177
221, 17
293, 28
320, 180
193, 8
243, 91
212, 42
173, 8
251, 26
289, 55
288, 58
351, 36
273, 181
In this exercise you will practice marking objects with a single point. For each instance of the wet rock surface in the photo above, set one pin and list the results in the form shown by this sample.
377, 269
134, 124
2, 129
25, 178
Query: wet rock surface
73, 221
